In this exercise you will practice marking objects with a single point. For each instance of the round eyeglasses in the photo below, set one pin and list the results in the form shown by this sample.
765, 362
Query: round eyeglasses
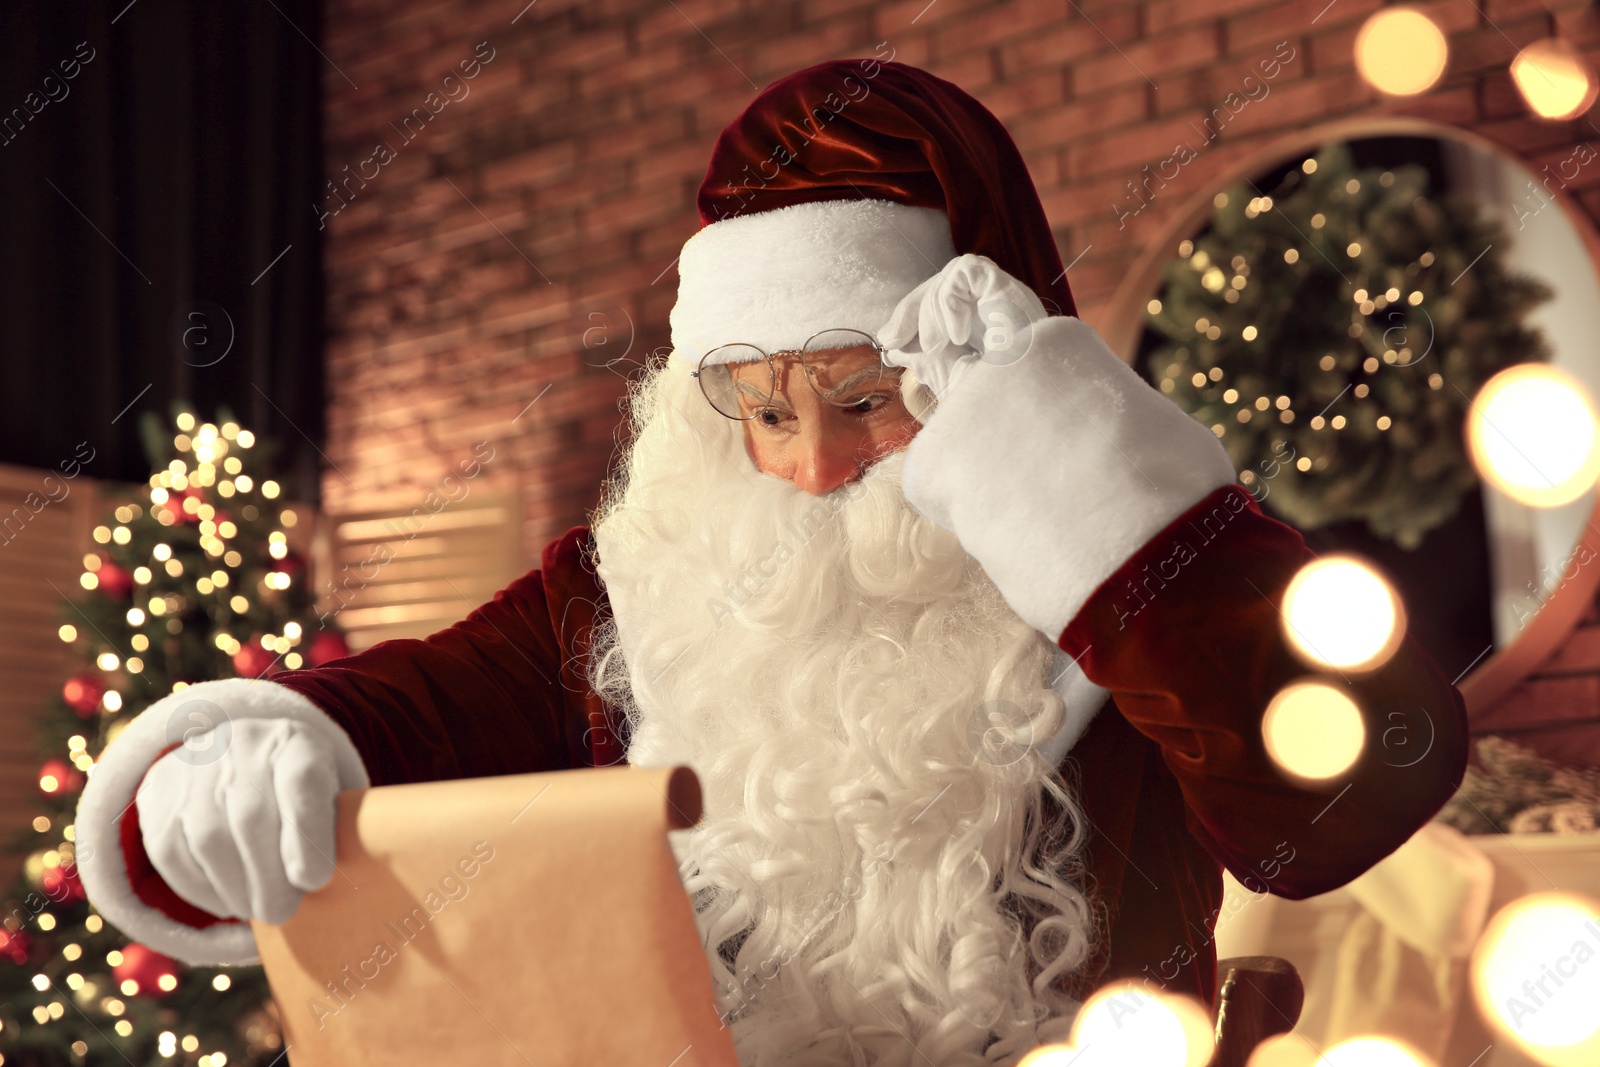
842, 366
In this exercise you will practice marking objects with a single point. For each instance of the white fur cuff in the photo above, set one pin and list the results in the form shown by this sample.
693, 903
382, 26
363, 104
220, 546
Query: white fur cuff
1054, 469
774, 278
114, 780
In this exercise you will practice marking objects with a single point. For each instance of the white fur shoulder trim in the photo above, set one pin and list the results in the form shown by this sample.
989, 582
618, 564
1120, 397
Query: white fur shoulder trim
114, 780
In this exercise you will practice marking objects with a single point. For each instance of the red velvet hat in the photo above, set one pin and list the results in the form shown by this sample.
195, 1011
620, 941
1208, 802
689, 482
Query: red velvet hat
837, 191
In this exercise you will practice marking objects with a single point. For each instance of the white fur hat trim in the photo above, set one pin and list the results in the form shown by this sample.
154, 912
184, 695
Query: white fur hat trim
775, 278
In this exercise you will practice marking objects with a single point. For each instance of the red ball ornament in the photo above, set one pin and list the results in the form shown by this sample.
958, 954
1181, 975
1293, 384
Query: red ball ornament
252, 661
115, 582
82, 693
58, 777
184, 515
15, 945
61, 884
325, 647
145, 967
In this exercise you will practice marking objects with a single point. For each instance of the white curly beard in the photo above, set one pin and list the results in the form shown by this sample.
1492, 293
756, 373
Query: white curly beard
860, 706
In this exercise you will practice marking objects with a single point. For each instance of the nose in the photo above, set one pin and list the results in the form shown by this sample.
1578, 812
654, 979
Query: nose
824, 462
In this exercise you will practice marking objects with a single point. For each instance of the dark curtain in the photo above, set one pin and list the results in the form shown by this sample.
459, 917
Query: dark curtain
158, 165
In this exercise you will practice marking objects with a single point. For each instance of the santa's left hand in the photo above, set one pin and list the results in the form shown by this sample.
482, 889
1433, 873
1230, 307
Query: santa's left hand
1048, 456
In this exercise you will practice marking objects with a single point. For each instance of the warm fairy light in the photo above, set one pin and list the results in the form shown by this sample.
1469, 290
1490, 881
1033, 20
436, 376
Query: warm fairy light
142, 575
239, 605
88, 580
243, 483
230, 430
291, 630
269, 489
1122, 1023
1400, 51
167, 982
107, 661
46, 921
112, 701
41, 823
1532, 434
1554, 78
93, 924
221, 982
287, 517
135, 616
292, 661
277, 550
129, 987
182, 442
1339, 612
102, 534
226, 528
185, 421
162, 551
158, 605
1371, 1051
72, 952
219, 578
246, 438
158, 496
1313, 731
232, 558
1537, 979
68, 632
174, 568
48, 783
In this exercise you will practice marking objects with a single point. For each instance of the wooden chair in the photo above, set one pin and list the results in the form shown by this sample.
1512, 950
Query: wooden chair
1257, 997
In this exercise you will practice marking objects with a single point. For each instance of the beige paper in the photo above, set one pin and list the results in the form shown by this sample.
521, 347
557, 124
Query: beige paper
520, 920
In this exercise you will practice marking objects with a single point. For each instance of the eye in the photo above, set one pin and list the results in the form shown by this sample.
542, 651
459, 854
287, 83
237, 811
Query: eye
769, 417
869, 404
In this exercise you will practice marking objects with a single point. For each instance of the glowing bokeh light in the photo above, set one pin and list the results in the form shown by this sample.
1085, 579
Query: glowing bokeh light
1313, 731
1400, 51
1536, 976
1339, 612
1532, 435
1554, 78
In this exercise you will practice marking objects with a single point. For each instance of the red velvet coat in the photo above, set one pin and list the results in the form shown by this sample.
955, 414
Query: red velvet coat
1172, 772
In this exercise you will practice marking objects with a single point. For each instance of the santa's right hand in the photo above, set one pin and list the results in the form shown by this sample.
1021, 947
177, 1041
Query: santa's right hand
239, 819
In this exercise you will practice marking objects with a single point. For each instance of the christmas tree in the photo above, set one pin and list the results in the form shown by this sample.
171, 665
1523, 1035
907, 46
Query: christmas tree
191, 579
1334, 333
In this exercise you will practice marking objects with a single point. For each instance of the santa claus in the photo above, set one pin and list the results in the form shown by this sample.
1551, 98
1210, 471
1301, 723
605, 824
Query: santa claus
966, 630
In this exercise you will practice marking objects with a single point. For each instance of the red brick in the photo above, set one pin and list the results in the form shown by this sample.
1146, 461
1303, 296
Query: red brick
1058, 45
1025, 94
1163, 15
975, 71
1148, 60
1079, 120
1005, 21
1451, 107
1126, 149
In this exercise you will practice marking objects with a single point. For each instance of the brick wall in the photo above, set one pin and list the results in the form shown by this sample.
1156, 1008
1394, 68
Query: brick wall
543, 205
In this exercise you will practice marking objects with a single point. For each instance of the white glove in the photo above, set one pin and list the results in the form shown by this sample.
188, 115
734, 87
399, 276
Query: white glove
240, 819
970, 311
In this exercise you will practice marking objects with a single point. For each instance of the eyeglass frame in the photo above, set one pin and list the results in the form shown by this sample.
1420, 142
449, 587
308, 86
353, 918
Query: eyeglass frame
698, 372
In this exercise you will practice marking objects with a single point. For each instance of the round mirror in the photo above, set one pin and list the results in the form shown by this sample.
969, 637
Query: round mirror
1334, 315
